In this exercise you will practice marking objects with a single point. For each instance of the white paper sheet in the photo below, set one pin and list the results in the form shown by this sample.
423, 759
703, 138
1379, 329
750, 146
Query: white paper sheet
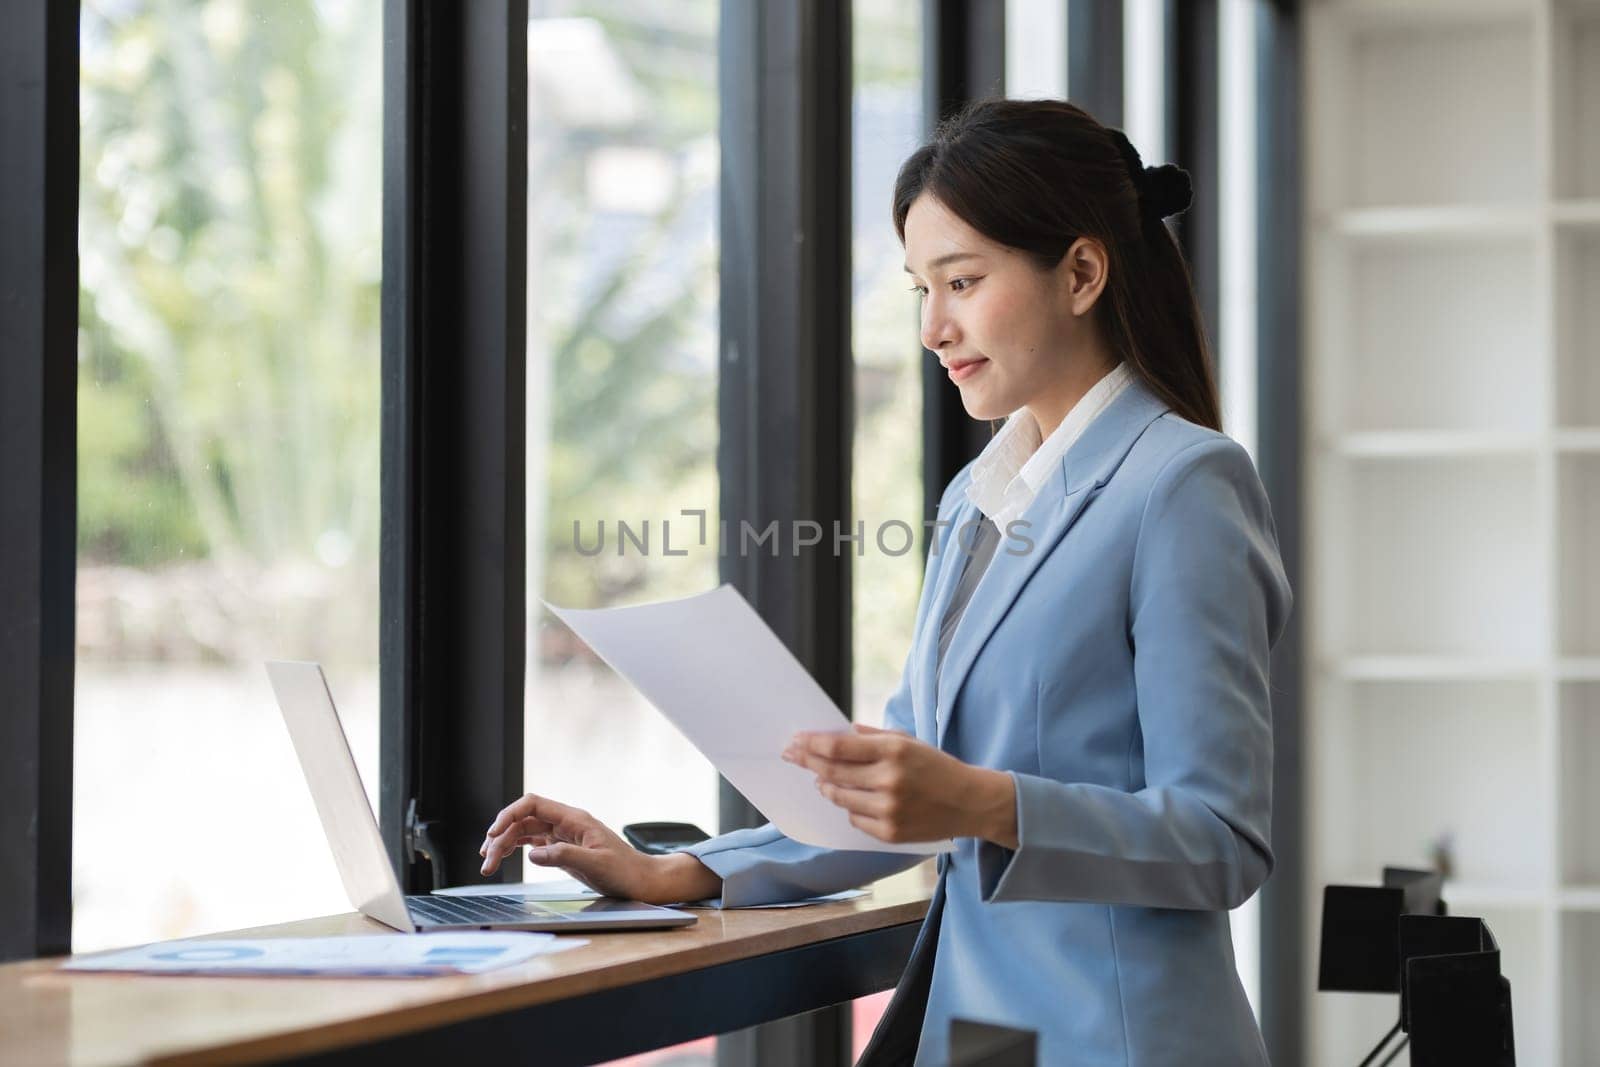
368, 955
711, 665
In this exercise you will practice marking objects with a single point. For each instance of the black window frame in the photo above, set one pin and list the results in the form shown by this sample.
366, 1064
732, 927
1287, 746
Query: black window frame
963, 60
453, 566
1280, 401
38, 469
785, 385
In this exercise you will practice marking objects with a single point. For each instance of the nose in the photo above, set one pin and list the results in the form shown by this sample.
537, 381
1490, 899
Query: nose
938, 328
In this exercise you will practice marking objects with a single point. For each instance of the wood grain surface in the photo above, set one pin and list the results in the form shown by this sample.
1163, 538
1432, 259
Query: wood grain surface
51, 1017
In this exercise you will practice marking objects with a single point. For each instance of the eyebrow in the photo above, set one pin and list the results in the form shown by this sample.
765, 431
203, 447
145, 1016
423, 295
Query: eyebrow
948, 257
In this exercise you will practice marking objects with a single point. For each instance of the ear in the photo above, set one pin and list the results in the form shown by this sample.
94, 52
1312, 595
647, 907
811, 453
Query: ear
1082, 274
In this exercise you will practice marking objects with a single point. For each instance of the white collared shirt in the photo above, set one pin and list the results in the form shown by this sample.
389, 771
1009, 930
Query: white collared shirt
1013, 466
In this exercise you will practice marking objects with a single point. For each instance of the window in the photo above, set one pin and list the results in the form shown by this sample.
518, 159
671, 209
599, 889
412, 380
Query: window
887, 467
228, 412
886, 578
622, 382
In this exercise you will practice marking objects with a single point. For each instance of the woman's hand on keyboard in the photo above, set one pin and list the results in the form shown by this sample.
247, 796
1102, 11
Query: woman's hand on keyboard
575, 841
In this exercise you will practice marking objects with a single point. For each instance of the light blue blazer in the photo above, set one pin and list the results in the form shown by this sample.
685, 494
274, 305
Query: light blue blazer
1119, 672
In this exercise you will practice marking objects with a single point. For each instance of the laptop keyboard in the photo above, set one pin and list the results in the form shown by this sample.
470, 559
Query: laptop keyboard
476, 910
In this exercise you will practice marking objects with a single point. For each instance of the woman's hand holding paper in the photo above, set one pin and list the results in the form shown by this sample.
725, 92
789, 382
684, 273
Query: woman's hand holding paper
899, 789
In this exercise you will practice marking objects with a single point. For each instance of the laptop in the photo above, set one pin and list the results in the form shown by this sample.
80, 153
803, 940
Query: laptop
358, 850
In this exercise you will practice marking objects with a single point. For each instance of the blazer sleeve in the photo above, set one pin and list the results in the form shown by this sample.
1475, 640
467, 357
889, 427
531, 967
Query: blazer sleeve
1207, 601
761, 865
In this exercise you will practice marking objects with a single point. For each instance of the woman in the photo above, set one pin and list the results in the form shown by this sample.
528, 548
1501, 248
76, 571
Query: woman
1086, 712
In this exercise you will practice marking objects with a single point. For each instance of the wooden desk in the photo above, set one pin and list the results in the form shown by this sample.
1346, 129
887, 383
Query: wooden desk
624, 992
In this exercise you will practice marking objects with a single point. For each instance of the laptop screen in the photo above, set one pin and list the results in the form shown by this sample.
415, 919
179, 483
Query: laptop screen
336, 790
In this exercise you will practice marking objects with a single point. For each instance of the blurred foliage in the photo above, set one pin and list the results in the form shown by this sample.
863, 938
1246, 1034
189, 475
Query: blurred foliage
887, 65
623, 296
229, 241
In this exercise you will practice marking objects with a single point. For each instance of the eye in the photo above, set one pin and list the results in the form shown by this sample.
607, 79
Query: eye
957, 285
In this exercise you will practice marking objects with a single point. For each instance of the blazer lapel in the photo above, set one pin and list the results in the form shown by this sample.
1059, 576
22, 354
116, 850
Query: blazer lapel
1087, 465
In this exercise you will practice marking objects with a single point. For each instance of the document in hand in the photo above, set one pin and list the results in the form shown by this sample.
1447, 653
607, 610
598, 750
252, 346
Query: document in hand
711, 665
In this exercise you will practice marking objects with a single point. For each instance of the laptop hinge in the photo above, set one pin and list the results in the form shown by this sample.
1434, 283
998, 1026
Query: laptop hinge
420, 843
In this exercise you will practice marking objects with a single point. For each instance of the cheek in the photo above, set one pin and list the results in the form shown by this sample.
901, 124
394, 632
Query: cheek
1007, 327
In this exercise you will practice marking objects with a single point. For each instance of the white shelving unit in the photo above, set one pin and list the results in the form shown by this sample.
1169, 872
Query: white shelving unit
1453, 345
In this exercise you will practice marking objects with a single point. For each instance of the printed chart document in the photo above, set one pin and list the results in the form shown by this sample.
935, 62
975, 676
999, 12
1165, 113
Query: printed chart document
366, 955
711, 665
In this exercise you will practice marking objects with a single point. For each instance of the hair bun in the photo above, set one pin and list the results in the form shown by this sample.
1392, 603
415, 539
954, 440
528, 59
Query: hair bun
1166, 190
1163, 191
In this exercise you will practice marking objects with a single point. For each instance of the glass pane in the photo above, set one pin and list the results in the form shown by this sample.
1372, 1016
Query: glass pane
622, 382
228, 408
887, 458
887, 110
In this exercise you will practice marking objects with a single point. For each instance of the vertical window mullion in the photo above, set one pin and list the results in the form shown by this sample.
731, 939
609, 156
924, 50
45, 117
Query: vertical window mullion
1192, 34
454, 397
785, 381
1278, 425
38, 473
1094, 58
964, 50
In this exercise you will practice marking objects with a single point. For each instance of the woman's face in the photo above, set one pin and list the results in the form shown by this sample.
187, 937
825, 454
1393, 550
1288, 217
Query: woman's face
1009, 334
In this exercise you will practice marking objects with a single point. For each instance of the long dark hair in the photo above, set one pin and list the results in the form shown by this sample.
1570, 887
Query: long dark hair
1035, 175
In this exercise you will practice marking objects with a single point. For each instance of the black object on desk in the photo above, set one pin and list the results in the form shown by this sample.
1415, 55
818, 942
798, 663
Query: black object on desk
975, 1044
661, 838
1454, 1002
1455, 1007
1361, 929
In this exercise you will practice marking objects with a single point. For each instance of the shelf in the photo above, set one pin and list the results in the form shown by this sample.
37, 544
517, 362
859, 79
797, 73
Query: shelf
1433, 338
1408, 531
1432, 669
1578, 440
1467, 222
1579, 898
1402, 764
1578, 669
1576, 213
1578, 327
1580, 786
1425, 14
1422, 444
1578, 534
1463, 897
1452, 258
1468, 898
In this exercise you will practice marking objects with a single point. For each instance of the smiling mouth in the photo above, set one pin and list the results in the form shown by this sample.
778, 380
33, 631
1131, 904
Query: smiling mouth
966, 368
